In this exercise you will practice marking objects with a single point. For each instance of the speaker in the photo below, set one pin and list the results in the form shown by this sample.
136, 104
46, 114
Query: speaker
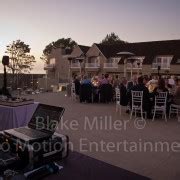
5, 60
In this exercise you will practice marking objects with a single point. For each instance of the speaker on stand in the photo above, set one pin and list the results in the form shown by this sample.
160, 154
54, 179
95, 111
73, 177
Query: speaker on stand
5, 62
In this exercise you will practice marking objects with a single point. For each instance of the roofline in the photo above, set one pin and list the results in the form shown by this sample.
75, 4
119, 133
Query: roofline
155, 41
99, 50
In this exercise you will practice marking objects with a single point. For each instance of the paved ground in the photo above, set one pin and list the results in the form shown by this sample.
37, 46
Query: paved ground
151, 149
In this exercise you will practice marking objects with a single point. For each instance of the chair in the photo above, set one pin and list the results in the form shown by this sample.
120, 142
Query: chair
174, 109
73, 92
160, 105
137, 103
117, 98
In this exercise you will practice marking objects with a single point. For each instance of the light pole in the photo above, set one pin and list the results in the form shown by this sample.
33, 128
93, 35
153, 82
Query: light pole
80, 60
159, 68
138, 63
124, 56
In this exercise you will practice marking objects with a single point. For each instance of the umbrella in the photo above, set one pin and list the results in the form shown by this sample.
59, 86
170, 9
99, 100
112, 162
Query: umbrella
126, 54
80, 59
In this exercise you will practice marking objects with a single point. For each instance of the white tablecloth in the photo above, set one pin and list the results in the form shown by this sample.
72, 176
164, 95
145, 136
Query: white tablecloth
13, 117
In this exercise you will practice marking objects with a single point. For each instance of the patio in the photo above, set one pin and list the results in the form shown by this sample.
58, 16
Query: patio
153, 163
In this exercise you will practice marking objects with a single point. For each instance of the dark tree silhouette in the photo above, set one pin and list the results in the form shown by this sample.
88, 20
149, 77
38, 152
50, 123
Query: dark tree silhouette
20, 59
112, 39
60, 43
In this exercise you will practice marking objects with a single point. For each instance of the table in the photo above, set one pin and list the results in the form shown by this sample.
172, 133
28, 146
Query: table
82, 167
13, 117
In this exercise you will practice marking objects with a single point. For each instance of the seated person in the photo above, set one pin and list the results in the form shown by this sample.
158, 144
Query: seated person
146, 97
86, 90
176, 98
161, 87
145, 80
123, 92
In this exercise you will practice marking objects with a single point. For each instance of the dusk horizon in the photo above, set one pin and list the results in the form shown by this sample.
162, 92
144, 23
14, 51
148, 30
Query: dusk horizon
38, 23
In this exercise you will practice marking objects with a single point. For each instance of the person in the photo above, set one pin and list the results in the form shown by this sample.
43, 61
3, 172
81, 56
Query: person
145, 80
86, 80
77, 84
146, 97
131, 84
123, 92
86, 90
161, 87
116, 81
105, 80
176, 98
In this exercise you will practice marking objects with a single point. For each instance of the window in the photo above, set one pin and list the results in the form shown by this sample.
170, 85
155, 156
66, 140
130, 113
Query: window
163, 61
52, 61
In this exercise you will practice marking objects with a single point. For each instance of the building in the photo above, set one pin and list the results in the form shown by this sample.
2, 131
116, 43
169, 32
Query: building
149, 59
56, 69
77, 62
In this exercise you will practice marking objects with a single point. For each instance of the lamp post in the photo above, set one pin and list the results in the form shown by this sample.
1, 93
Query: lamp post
124, 56
80, 59
138, 63
159, 68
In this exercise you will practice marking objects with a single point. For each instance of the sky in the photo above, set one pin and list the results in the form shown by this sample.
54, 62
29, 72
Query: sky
39, 22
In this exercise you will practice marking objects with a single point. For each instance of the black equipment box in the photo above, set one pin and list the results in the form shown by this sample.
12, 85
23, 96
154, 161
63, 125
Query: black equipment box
29, 156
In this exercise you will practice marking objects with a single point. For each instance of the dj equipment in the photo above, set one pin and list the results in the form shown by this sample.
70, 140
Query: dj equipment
41, 126
5, 60
33, 155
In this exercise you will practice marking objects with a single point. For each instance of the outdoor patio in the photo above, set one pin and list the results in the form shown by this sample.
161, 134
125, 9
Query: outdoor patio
153, 163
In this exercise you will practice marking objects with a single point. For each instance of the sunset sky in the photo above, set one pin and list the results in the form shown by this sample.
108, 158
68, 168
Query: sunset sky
39, 22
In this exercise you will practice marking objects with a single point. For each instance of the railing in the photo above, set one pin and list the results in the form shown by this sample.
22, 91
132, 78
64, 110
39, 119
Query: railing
92, 65
49, 66
75, 65
163, 66
110, 65
129, 66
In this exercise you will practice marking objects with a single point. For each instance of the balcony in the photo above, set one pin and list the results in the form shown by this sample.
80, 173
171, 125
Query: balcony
49, 67
163, 66
92, 65
75, 65
134, 66
110, 65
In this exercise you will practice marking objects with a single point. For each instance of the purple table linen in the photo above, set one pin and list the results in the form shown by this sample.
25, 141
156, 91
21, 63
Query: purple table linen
13, 117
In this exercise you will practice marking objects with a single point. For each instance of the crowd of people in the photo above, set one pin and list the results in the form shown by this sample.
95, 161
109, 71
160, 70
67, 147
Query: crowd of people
150, 86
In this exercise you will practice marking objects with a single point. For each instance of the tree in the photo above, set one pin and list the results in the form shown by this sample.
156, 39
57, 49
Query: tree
60, 43
20, 59
112, 39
